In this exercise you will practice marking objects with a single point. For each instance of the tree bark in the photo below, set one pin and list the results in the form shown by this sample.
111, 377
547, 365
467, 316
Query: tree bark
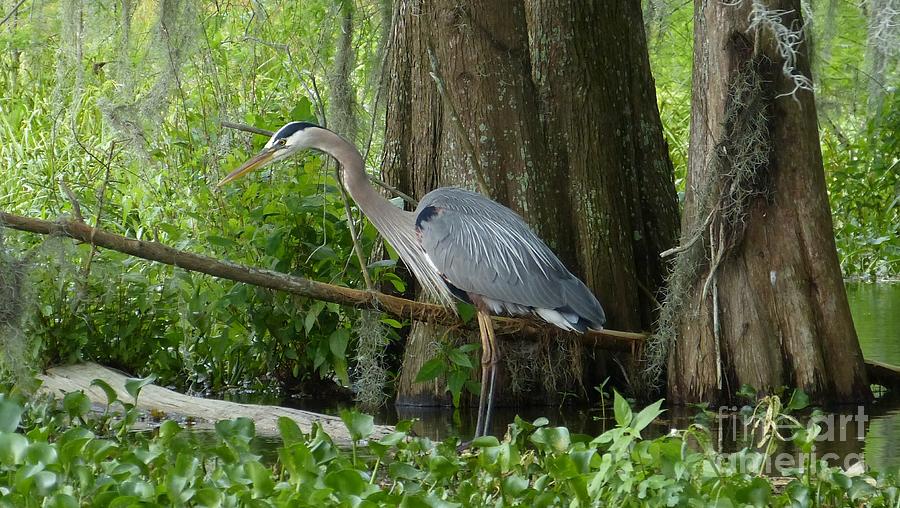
573, 145
598, 109
775, 311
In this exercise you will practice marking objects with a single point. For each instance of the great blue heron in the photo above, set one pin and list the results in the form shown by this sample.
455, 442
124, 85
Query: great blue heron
459, 244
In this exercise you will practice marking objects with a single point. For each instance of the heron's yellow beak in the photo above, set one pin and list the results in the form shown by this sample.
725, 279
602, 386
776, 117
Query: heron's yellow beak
260, 160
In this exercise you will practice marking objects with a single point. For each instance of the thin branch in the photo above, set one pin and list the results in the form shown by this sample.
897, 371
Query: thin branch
354, 235
687, 245
73, 199
400, 307
12, 12
101, 201
247, 128
378, 181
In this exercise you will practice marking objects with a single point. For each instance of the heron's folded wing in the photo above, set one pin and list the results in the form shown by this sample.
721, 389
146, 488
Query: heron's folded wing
485, 248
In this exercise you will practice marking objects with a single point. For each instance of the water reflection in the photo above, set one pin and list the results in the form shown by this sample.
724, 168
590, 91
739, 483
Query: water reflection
876, 314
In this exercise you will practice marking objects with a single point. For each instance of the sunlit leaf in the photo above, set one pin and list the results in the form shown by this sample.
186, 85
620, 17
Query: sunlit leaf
646, 416
111, 395
458, 357
430, 370
76, 404
621, 409
134, 385
359, 424
10, 415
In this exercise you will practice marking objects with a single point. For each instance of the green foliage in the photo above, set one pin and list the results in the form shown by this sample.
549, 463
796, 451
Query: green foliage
863, 174
126, 110
456, 363
43, 463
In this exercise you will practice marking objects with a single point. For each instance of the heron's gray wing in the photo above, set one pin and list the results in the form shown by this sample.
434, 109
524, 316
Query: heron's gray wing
484, 248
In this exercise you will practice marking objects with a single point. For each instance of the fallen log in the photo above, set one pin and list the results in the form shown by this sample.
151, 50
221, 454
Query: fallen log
400, 307
58, 381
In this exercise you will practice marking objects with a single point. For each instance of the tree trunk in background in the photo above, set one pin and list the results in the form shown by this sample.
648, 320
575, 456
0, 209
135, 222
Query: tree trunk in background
599, 113
560, 106
776, 311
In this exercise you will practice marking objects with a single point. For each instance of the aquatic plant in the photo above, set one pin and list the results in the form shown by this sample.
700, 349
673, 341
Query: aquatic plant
56, 456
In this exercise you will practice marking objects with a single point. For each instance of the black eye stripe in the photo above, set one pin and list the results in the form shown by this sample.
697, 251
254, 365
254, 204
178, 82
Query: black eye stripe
291, 128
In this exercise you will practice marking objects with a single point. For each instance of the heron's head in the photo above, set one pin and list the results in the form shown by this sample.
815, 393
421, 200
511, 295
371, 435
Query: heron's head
288, 140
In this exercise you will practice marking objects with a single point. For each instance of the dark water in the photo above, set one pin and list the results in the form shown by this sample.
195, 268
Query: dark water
870, 433
876, 314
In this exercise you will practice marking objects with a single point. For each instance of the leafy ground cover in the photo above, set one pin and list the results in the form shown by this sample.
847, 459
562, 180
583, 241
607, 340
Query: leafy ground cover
62, 455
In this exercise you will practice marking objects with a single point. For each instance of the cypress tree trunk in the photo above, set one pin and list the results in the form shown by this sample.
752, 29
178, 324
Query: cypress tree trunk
774, 311
572, 144
599, 113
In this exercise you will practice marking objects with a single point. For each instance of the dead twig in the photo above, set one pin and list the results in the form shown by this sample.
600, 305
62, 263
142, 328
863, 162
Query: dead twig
12, 12
73, 199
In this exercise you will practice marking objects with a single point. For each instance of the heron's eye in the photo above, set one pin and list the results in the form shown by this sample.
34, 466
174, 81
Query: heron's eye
281, 142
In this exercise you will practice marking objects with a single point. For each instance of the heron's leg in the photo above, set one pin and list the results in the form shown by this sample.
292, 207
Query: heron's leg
494, 359
484, 324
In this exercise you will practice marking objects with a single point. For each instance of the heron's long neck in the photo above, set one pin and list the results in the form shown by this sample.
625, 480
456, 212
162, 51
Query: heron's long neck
379, 210
395, 225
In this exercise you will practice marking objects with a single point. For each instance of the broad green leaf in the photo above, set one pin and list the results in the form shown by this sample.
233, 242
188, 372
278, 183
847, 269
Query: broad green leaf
622, 410
76, 404
552, 438
746, 391
393, 323
430, 370
346, 481
397, 282
404, 471
466, 311
290, 431
181, 476
513, 485
460, 358
41, 453
168, 429
392, 439
359, 424
337, 342
62, 501
485, 442
455, 382
541, 421
12, 448
647, 415
45, 482
134, 385
261, 477
208, 498
340, 370
799, 400
111, 395
10, 415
